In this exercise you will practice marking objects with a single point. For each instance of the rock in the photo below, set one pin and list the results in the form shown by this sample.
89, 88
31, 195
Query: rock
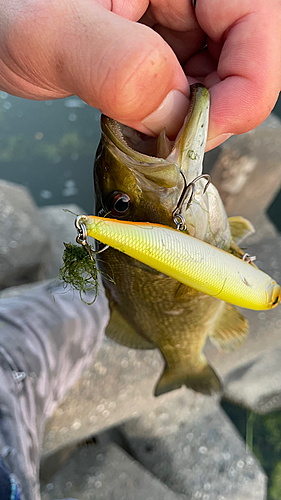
256, 385
58, 224
24, 249
178, 433
185, 448
195, 450
252, 373
117, 385
248, 176
248, 171
104, 472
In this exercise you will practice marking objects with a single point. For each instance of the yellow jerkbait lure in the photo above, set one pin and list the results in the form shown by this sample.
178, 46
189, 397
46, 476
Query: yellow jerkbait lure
189, 260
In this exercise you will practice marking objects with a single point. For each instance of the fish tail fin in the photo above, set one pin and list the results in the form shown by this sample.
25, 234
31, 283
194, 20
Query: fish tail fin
203, 379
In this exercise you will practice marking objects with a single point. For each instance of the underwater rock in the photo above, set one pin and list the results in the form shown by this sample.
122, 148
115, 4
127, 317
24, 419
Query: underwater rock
24, 248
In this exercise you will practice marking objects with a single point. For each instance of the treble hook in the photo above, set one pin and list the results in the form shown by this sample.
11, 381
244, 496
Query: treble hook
177, 215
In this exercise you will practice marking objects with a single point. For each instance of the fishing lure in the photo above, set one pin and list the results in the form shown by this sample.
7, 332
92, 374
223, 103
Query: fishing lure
189, 260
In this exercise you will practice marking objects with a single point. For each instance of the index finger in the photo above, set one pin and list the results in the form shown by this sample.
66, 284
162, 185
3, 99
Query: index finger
247, 83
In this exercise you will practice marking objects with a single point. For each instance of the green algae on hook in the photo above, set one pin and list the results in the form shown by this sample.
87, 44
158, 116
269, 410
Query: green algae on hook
79, 270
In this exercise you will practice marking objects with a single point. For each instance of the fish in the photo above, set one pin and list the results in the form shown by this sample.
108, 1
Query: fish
142, 179
191, 261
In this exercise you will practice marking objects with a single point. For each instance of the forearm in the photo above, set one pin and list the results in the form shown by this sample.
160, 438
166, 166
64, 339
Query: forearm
45, 343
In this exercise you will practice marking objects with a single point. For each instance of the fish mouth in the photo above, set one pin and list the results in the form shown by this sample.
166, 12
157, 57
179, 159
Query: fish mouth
188, 147
159, 169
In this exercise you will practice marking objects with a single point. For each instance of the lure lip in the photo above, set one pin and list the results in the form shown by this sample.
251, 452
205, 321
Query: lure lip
273, 293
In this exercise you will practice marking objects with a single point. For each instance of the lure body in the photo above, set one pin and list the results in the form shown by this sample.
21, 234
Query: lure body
190, 261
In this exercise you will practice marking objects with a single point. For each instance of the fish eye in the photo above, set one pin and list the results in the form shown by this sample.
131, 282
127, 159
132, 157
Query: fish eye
120, 204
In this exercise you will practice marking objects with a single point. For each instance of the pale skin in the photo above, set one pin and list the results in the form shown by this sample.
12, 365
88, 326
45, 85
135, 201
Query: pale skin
97, 50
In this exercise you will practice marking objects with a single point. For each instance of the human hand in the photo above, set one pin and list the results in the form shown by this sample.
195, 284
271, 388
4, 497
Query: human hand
56, 48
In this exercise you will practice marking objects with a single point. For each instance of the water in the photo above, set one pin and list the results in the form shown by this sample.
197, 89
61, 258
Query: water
49, 147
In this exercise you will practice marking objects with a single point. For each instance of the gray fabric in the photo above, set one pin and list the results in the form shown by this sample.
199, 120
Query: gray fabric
45, 343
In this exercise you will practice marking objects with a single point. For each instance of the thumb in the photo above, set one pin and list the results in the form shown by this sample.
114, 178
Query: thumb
124, 68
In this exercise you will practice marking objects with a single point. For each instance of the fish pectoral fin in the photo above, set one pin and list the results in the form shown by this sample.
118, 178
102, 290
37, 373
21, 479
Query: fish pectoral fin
229, 329
202, 379
240, 228
119, 330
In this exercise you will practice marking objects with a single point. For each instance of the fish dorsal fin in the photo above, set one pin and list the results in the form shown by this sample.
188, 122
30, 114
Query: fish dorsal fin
164, 145
240, 228
119, 330
229, 328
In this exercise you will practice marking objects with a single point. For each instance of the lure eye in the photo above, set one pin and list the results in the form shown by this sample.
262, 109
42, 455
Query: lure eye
120, 204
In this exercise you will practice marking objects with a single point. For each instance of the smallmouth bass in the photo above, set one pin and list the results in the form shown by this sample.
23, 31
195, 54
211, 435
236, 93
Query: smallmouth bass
138, 178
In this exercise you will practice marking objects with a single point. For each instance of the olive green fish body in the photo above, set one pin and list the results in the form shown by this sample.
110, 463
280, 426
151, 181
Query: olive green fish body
139, 179
164, 314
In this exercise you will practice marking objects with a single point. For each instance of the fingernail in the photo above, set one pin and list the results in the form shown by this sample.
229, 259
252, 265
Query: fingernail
216, 141
170, 114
